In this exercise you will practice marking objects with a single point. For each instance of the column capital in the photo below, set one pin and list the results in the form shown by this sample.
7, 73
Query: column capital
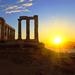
19, 19
35, 16
28, 19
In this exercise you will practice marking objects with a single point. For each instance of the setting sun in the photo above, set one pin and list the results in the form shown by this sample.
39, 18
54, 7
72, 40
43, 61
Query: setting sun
57, 40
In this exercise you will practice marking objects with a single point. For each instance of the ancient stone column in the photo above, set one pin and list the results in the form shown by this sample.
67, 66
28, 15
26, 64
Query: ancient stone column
13, 34
36, 28
27, 29
19, 29
8, 33
5, 32
2, 30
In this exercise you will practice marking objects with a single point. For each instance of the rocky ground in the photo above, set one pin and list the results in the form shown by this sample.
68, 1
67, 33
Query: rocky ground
35, 61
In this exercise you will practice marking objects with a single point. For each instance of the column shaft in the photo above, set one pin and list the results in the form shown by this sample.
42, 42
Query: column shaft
19, 29
5, 32
2, 31
27, 29
14, 34
36, 27
8, 33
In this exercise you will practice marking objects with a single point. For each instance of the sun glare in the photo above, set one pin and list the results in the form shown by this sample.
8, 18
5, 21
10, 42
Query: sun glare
57, 40
57, 43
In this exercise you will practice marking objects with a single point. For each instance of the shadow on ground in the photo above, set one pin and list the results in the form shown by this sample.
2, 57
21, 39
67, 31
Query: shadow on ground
35, 61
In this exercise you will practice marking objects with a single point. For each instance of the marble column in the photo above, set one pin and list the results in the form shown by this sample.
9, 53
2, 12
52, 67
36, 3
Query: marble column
5, 35
27, 29
19, 29
2, 30
36, 27
14, 34
8, 33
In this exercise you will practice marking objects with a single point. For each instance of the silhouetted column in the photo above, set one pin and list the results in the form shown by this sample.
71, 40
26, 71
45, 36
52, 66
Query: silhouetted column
8, 33
2, 30
36, 27
19, 29
13, 34
27, 28
5, 32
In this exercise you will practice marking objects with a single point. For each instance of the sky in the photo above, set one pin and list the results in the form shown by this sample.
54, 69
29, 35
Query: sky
56, 17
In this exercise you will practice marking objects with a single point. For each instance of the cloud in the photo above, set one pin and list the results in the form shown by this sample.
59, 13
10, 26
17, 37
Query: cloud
13, 7
21, 0
30, 0
16, 11
27, 4
18, 8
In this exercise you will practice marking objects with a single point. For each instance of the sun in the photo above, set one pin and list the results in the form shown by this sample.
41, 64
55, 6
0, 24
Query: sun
57, 40
56, 43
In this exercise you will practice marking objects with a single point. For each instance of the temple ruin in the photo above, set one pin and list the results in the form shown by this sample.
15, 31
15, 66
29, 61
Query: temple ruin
7, 35
6, 31
35, 18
